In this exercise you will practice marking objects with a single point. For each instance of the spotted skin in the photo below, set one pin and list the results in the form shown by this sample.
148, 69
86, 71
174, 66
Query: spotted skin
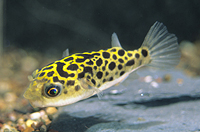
82, 75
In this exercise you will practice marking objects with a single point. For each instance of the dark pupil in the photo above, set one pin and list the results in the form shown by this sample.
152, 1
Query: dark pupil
52, 90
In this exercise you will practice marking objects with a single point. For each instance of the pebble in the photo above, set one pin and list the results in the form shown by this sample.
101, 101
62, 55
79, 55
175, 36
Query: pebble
51, 110
8, 128
20, 128
179, 81
43, 128
35, 115
29, 129
12, 117
159, 80
154, 84
167, 77
148, 79
30, 122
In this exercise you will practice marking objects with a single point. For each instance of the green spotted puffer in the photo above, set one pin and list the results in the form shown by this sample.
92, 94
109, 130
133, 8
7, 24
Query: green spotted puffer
82, 75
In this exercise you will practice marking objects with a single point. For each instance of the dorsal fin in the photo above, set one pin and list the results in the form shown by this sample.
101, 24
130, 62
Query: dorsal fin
66, 53
115, 41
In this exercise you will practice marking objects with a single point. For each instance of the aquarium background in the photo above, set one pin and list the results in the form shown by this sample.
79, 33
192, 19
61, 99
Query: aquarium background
36, 32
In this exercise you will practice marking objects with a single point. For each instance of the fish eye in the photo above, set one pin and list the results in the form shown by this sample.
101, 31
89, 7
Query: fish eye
53, 90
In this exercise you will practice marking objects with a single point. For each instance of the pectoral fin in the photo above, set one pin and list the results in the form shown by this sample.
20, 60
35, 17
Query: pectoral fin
86, 84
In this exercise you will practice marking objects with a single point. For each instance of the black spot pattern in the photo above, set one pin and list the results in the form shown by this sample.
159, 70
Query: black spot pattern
72, 67
55, 79
103, 68
95, 67
90, 62
49, 74
61, 72
104, 80
99, 75
144, 53
114, 57
88, 77
81, 75
106, 55
130, 63
122, 73
107, 73
41, 74
88, 69
47, 68
65, 92
112, 66
106, 62
77, 87
93, 81
72, 75
61, 81
137, 55
68, 59
86, 56
121, 52
99, 62
111, 78
119, 66
70, 83
113, 50
129, 54
80, 60
121, 61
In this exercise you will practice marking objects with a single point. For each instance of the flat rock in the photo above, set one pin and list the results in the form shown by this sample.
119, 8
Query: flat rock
136, 105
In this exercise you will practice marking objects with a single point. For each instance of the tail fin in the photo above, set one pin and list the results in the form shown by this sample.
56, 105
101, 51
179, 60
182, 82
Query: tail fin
163, 47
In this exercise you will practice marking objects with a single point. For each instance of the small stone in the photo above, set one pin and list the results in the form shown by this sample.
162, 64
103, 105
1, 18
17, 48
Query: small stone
141, 119
39, 125
167, 77
29, 129
43, 128
159, 80
30, 122
148, 79
154, 84
179, 81
35, 115
42, 112
12, 117
8, 128
20, 128
51, 110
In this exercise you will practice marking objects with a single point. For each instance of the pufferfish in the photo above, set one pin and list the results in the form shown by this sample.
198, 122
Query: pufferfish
81, 75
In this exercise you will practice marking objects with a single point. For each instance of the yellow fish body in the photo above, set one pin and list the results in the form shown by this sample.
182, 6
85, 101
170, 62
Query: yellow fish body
82, 75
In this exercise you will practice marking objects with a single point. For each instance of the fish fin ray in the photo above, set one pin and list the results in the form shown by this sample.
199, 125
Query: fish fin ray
65, 53
162, 45
115, 41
